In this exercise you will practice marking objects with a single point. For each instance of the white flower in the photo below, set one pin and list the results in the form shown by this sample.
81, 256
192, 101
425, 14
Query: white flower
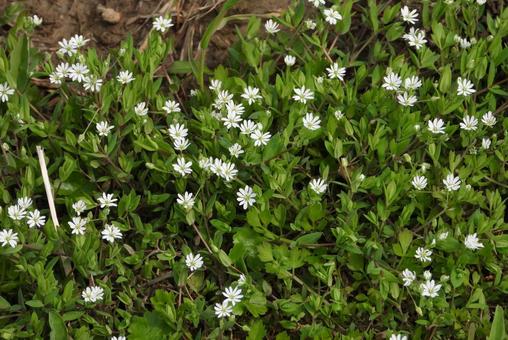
398, 337
332, 16
78, 72
171, 106
215, 85
103, 128
489, 119
334, 71
318, 185
338, 114
260, 138
419, 182
271, 26
66, 47
223, 97
93, 294
177, 131
181, 143
289, 60
415, 37
423, 254
24, 202
162, 24
436, 126
8, 237
78, 41
412, 83
79, 207
246, 197
427, 275
302, 95
16, 212
77, 225
392, 81
251, 94
223, 309
406, 100
451, 182
186, 200
120, 337
486, 143
408, 277
465, 87
430, 289
5, 92
443, 235
194, 262
241, 280
233, 295
247, 127
227, 171
35, 219
92, 84
232, 119
140, 109
471, 242
182, 167
35, 20
310, 24
469, 123
107, 200
408, 15
235, 150
311, 122
125, 77
481, 2
110, 233
317, 3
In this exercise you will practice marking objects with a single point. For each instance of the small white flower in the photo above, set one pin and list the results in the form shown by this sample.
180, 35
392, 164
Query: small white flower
318, 185
338, 114
125, 77
423, 254
443, 235
405, 99
251, 94
233, 295
8, 237
311, 122
77, 225
332, 16
436, 126
141, 109
16, 212
235, 150
486, 143
223, 97
489, 119
241, 280
107, 200
227, 171
78, 72
110, 233
471, 242
103, 128
171, 106
408, 277
92, 84
465, 87
260, 138
415, 38
246, 197
481, 2
398, 337
247, 127
177, 131
451, 182
223, 310
419, 182
35, 219
427, 275
317, 3
66, 47
162, 24
5, 92
24, 202
430, 289
310, 24
182, 167
215, 85
232, 119
93, 294
79, 207
186, 200
407, 15
194, 262
336, 72
271, 26
120, 337
412, 83
35, 20
303, 94
78, 41
181, 144
289, 60
392, 82
469, 123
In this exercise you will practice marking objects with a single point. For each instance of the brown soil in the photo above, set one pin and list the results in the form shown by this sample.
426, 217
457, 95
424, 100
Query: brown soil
64, 18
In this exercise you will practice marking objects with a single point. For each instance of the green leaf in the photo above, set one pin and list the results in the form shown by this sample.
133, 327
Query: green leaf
497, 330
311, 238
273, 148
57, 326
405, 238
257, 330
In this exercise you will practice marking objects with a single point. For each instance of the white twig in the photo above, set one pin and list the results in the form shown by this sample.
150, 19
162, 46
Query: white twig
47, 185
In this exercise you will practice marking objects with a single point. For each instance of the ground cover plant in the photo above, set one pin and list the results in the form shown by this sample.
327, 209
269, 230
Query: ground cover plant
343, 175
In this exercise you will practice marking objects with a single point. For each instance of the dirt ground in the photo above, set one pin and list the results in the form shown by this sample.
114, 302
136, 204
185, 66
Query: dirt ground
107, 22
